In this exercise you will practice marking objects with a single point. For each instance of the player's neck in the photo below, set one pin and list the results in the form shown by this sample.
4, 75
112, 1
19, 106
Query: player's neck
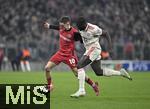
68, 29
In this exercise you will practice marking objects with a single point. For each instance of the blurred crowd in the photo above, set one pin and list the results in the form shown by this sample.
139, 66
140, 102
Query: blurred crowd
127, 22
19, 59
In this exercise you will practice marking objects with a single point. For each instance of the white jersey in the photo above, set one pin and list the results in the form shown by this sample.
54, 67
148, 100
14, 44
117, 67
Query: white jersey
91, 35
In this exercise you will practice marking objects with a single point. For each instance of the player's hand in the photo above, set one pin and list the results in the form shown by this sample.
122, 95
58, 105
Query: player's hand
46, 25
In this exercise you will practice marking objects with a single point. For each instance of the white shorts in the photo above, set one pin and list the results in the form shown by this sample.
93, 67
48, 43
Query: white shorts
94, 53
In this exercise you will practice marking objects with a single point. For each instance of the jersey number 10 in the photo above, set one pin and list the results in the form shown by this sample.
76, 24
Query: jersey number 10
72, 61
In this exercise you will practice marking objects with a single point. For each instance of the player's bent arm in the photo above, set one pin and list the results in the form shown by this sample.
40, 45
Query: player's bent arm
107, 36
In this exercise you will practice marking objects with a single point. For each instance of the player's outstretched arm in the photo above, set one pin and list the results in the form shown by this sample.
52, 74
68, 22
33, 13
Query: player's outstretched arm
107, 36
49, 26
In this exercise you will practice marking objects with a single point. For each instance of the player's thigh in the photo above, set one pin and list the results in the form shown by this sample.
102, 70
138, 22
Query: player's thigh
89, 56
50, 65
96, 63
84, 61
53, 61
71, 61
56, 58
96, 66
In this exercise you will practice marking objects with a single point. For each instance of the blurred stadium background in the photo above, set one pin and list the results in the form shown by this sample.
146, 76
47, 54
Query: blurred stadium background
127, 21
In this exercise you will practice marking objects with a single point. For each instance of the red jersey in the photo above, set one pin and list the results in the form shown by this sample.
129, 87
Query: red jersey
66, 41
66, 53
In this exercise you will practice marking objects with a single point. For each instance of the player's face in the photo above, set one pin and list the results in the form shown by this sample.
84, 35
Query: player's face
65, 26
81, 27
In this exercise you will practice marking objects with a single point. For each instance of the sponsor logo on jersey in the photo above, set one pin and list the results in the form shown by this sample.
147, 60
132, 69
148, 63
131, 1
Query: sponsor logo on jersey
65, 38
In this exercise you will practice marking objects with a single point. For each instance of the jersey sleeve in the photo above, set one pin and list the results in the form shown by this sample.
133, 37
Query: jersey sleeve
56, 27
97, 31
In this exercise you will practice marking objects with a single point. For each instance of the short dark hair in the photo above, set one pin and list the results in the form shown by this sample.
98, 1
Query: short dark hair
81, 23
65, 19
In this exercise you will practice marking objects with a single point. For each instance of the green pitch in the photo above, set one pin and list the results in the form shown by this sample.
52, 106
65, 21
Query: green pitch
116, 92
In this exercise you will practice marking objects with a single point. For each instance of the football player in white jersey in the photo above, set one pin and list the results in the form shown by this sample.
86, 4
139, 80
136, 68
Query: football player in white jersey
90, 35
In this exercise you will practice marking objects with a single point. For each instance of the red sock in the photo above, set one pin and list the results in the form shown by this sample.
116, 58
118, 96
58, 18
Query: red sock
49, 82
90, 82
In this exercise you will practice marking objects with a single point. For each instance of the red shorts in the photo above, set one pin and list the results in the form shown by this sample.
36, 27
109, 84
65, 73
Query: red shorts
70, 60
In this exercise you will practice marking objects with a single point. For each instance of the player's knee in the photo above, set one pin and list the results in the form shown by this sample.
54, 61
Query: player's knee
79, 66
98, 71
47, 69
75, 71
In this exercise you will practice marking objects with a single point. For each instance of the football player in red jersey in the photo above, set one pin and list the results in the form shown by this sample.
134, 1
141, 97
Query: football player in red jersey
67, 37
